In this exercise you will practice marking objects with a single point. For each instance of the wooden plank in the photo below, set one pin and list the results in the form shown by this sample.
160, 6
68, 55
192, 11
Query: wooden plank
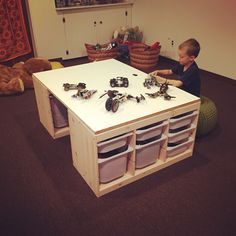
132, 126
131, 159
61, 132
84, 152
185, 108
44, 107
163, 152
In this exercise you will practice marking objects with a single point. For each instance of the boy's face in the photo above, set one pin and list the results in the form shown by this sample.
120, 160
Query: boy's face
184, 58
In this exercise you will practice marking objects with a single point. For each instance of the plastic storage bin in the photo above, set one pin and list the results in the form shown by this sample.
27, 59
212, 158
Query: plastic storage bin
177, 138
184, 122
59, 113
113, 146
148, 154
113, 167
173, 151
144, 136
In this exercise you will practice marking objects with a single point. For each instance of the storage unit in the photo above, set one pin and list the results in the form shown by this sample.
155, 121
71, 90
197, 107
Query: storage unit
96, 134
45, 110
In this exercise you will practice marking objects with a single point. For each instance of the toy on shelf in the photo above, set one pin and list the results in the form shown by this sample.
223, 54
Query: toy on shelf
68, 86
115, 98
119, 82
162, 92
150, 82
126, 36
100, 52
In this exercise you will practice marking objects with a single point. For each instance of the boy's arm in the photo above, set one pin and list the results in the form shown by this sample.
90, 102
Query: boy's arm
174, 82
161, 72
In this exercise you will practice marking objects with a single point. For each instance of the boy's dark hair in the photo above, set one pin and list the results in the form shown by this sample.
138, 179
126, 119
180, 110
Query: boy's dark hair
192, 45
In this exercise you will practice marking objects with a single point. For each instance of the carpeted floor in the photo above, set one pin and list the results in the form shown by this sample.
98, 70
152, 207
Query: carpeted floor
42, 194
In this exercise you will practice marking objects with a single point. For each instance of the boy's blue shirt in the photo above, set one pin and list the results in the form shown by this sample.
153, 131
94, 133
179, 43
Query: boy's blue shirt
190, 78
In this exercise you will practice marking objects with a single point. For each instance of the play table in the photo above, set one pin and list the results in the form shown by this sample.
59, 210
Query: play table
90, 124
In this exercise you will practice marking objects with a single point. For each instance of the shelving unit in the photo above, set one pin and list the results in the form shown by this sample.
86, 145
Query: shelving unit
45, 112
83, 7
87, 132
88, 158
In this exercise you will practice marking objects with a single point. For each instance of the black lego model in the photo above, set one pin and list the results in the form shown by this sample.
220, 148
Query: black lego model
68, 86
115, 98
151, 81
119, 82
162, 92
84, 93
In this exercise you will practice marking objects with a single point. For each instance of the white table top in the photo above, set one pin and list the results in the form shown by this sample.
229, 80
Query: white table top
97, 75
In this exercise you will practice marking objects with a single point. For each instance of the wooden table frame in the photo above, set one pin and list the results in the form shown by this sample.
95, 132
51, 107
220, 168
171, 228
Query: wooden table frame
84, 140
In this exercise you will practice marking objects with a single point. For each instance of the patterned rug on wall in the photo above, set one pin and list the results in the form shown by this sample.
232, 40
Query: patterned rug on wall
14, 40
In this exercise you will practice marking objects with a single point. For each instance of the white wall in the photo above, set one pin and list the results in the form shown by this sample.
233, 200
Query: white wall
47, 29
211, 22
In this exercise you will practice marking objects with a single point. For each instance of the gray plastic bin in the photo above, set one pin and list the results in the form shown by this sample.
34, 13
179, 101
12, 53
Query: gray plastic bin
144, 136
59, 113
173, 151
148, 154
182, 135
113, 167
113, 146
185, 121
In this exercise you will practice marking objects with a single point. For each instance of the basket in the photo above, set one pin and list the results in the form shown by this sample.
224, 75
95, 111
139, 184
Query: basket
99, 54
143, 56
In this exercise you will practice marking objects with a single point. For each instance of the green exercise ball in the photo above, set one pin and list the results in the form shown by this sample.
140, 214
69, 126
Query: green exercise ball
207, 116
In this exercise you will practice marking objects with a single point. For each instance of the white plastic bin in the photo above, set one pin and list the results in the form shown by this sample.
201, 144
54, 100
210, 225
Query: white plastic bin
148, 154
113, 146
59, 113
144, 136
178, 124
113, 167
173, 151
174, 138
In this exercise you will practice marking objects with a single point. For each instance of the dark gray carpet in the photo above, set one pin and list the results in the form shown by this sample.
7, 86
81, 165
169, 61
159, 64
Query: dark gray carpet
42, 194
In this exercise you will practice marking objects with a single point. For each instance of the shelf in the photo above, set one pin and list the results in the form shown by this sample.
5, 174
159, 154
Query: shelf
94, 6
162, 164
140, 173
61, 132
115, 184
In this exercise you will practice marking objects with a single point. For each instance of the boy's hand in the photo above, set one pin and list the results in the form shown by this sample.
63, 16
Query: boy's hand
160, 79
155, 73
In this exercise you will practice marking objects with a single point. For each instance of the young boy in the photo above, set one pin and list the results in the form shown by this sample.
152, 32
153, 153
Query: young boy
186, 70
